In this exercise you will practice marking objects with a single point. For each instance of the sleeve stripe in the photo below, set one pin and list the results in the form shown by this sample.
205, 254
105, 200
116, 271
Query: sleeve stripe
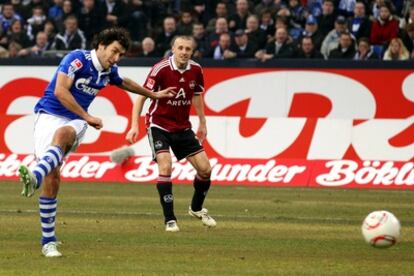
158, 67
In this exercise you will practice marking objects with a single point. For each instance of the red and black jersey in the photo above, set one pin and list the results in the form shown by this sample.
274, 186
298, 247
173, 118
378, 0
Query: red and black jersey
172, 114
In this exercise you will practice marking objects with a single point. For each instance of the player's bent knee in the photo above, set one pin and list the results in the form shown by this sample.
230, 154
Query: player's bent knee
204, 173
65, 137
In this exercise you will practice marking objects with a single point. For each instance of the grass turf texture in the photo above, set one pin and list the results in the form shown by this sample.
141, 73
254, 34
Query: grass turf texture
117, 229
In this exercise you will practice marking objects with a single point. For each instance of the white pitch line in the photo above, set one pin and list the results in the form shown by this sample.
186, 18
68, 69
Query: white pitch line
83, 212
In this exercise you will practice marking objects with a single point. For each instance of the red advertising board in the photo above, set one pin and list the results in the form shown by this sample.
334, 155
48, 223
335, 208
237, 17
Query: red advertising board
276, 127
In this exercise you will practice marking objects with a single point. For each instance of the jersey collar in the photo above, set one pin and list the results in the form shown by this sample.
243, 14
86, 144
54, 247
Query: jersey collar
174, 66
96, 62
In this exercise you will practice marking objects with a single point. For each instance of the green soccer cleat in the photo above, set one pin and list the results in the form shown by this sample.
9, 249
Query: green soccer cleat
28, 180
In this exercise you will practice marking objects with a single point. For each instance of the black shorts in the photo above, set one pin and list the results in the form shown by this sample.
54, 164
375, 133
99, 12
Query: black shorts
183, 143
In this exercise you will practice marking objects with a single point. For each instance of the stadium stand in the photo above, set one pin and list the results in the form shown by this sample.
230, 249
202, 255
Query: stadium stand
157, 20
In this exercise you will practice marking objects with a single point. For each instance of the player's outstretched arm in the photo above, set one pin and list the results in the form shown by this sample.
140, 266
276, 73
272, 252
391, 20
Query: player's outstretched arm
62, 93
134, 87
199, 108
132, 134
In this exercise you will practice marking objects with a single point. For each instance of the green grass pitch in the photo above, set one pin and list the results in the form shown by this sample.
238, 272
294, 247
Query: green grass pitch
117, 229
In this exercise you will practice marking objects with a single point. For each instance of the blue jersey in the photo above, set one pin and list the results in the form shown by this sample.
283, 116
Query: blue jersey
88, 79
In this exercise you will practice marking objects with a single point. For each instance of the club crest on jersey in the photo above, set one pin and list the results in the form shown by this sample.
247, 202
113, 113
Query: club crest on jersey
150, 83
192, 85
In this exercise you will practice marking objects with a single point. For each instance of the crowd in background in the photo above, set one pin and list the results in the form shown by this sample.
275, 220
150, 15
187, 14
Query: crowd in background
226, 29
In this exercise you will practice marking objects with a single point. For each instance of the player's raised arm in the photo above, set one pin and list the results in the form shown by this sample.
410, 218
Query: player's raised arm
134, 87
63, 94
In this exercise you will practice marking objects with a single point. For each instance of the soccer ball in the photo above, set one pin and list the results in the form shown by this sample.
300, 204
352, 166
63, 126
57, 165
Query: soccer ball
381, 229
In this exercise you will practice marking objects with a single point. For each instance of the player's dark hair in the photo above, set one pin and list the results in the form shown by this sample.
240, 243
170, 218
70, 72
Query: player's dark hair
110, 35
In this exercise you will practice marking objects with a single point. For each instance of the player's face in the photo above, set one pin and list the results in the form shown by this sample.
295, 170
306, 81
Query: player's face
110, 54
182, 50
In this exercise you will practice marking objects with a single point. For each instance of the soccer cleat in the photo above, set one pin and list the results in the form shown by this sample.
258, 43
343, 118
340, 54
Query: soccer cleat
204, 216
28, 180
171, 226
50, 250
120, 155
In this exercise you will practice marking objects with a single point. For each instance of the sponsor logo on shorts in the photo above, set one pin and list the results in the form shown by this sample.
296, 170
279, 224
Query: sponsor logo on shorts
158, 144
168, 198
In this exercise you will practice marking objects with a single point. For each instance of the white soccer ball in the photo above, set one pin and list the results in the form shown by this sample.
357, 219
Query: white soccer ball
381, 229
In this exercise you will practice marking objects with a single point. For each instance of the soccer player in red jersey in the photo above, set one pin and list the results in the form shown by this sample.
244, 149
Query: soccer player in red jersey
168, 127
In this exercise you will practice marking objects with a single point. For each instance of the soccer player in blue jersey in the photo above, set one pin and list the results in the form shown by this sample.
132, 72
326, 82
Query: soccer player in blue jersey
62, 119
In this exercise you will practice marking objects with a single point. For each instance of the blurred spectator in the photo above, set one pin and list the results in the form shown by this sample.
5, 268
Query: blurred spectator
38, 49
213, 37
70, 39
297, 18
267, 24
185, 24
138, 21
314, 7
307, 49
28, 5
55, 12
238, 20
365, 51
36, 22
90, 19
267, 5
384, 28
14, 49
221, 12
18, 8
221, 51
163, 39
280, 48
376, 7
203, 11
67, 9
331, 41
360, 25
200, 38
409, 19
345, 49
3, 52
148, 48
311, 30
326, 21
17, 34
396, 51
242, 47
50, 30
7, 16
115, 12
346, 7
408, 39
255, 34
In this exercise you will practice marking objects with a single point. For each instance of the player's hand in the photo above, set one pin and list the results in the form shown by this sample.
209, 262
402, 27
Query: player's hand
132, 135
166, 93
94, 122
202, 133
